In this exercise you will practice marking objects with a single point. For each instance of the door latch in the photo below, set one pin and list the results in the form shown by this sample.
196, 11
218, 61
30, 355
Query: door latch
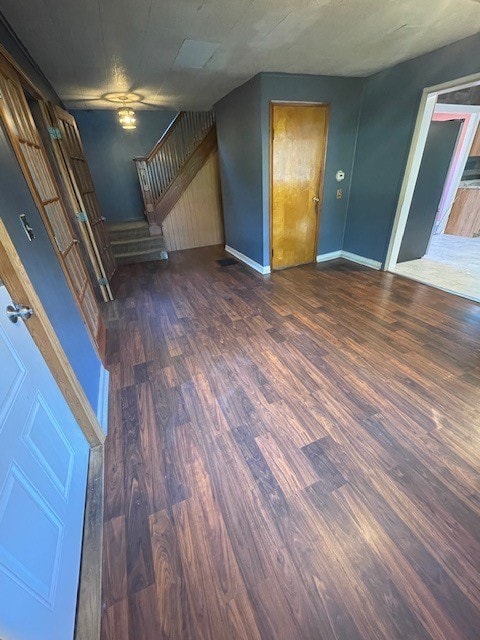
27, 227
15, 311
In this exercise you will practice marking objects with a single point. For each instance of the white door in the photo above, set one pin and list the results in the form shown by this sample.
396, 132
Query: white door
43, 472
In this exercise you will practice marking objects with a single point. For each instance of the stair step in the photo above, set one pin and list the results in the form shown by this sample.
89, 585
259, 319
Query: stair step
141, 256
136, 245
128, 230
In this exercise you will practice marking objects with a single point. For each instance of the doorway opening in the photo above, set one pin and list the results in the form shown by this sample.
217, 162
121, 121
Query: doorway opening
436, 234
298, 145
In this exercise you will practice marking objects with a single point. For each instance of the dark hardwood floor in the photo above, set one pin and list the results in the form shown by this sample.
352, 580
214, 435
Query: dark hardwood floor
294, 457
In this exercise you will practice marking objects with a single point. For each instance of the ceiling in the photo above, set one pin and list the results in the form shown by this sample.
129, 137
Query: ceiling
187, 54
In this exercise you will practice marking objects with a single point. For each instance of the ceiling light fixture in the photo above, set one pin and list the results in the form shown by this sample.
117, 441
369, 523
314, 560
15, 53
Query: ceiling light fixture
126, 118
126, 115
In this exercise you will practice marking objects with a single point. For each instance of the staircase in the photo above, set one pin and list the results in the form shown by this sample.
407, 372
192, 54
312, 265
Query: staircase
173, 163
132, 242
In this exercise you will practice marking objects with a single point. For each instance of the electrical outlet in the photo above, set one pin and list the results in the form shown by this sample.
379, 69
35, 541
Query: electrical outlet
339, 194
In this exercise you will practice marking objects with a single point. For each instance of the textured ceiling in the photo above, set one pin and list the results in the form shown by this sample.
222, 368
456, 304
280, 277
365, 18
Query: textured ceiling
87, 48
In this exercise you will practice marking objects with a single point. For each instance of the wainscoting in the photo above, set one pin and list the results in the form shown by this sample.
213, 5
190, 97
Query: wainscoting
197, 218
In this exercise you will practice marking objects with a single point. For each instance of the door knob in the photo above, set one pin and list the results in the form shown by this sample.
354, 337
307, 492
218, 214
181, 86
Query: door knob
15, 311
315, 199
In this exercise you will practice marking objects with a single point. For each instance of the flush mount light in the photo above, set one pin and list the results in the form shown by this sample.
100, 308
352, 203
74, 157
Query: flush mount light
126, 118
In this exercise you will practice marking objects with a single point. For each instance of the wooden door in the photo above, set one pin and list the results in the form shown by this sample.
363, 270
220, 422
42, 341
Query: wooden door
33, 161
43, 473
298, 146
82, 190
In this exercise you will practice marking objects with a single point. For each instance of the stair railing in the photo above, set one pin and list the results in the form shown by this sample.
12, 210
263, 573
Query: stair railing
158, 170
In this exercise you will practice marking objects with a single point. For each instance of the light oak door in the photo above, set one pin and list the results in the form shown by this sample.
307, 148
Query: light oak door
298, 144
32, 158
83, 192
43, 474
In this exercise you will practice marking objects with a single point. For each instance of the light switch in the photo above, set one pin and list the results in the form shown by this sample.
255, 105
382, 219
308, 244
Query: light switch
339, 194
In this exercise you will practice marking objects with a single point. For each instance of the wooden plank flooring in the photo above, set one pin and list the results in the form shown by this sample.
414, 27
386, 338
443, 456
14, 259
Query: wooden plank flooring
294, 457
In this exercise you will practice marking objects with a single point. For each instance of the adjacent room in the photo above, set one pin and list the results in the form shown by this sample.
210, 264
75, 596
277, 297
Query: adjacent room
239, 320
441, 241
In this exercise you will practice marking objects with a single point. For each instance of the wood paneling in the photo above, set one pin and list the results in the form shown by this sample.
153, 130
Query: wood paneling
183, 178
464, 217
298, 148
292, 457
197, 218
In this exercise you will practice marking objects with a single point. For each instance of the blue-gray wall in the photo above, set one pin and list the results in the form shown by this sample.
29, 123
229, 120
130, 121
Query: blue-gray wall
344, 97
389, 111
43, 268
240, 155
110, 151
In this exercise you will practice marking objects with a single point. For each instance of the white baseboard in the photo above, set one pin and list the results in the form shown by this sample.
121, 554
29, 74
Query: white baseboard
353, 257
325, 257
367, 262
248, 261
102, 403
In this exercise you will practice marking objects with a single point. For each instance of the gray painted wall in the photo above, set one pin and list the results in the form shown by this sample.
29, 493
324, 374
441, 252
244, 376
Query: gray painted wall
389, 111
344, 97
44, 270
240, 156
110, 149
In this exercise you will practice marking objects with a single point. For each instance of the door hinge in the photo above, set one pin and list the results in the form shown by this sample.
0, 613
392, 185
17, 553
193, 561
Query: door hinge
82, 216
102, 282
55, 133
272, 253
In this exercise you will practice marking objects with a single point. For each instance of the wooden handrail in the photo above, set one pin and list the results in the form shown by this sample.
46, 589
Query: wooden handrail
163, 139
158, 169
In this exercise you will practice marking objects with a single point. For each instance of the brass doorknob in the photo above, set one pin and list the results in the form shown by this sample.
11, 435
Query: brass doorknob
315, 199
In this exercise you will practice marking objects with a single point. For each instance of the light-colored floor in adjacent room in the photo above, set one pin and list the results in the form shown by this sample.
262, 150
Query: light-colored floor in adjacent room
452, 263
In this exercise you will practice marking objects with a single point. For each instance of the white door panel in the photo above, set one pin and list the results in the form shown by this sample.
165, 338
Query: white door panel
43, 471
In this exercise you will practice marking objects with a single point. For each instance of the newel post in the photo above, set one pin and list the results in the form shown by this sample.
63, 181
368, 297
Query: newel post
143, 177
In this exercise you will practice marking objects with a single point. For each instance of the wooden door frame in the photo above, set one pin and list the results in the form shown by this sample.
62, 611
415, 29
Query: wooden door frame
97, 337
321, 179
20, 287
13, 274
27, 84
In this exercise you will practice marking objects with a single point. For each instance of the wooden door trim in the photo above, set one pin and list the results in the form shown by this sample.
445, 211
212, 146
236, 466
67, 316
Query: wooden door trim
25, 80
22, 291
321, 179
89, 607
